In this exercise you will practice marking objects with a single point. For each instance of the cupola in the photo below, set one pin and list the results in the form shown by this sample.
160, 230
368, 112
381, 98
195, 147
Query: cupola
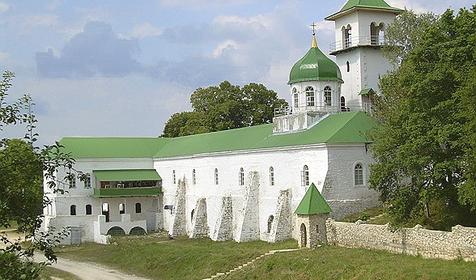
314, 66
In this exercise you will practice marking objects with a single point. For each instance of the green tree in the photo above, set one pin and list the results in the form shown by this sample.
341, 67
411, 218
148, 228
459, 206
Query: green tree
225, 106
421, 144
22, 168
402, 35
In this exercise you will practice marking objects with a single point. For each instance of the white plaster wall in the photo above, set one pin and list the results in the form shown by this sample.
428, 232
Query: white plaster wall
365, 18
80, 196
340, 190
319, 93
350, 19
352, 85
287, 166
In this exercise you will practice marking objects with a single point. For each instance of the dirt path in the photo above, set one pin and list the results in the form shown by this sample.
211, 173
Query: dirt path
90, 271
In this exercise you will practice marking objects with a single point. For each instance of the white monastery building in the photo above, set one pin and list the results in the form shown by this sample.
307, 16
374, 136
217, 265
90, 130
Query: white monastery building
242, 184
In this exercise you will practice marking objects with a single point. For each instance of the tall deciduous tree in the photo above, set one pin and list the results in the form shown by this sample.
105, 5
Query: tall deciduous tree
421, 146
22, 168
225, 106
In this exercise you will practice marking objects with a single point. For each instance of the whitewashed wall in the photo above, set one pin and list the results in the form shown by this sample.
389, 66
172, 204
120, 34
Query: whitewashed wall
287, 165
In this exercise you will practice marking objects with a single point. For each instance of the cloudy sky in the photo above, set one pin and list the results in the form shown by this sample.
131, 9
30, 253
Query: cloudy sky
121, 68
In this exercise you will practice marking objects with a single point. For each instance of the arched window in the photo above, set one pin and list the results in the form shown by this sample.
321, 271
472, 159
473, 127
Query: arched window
194, 177
89, 209
191, 214
305, 176
381, 34
270, 223
241, 177
296, 100
342, 104
174, 178
122, 208
358, 174
105, 210
310, 97
347, 37
216, 176
271, 176
373, 33
348, 66
138, 208
328, 96
72, 210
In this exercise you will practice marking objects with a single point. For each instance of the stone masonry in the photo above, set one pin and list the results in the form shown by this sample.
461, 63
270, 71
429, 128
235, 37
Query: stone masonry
179, 218
459, 243
248, 221
281, 228
224, 225
199, 222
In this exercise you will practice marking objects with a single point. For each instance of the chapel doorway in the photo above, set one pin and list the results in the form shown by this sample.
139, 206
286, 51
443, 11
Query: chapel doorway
303, 235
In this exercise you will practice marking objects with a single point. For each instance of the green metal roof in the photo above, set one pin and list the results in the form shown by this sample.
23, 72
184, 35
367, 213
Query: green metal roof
313, 203
366, 91
340, 128
112, 147
127, 175
352, 5
314, 66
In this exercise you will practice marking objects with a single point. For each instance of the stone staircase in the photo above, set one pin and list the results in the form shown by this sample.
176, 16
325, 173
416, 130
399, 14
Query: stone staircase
238, 268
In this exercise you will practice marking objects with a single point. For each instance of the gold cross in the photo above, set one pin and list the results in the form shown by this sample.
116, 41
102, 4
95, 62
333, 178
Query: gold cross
314, 27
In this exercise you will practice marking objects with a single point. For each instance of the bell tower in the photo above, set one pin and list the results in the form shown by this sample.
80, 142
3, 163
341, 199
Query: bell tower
359, 37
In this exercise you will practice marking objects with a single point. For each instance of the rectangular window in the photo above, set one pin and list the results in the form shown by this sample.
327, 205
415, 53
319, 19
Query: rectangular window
310, 99
174, 177
296, 100
72, 183
87, 182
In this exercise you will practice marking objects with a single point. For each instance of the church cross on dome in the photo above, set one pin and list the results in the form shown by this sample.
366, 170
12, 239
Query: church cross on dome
314, 41
314, 27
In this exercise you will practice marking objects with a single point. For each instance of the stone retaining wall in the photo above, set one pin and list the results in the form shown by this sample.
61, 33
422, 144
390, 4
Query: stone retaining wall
459, 243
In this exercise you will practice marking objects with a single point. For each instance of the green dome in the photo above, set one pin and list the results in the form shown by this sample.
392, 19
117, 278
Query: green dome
314, 66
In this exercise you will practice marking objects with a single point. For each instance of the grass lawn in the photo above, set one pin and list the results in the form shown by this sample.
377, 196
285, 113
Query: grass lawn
331, 262
159, 258
50, 272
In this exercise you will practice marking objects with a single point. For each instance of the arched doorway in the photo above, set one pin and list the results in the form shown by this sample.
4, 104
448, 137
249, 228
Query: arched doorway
303, 235
137, 231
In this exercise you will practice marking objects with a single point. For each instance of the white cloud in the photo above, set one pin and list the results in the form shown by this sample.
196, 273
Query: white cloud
411, 5
145, 30
4, 7
224, 46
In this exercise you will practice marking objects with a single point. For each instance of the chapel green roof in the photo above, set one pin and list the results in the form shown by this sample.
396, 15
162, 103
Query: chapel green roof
314, 66
313, 203
340, 128
352, 5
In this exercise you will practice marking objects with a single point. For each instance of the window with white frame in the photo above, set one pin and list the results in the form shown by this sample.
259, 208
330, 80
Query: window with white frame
89, 209
310, 97
305, 176
216, 176
72, 182
271, 176
174, 178
241, 177
87, 182
358, 174
328, 96
194, 177
296, 100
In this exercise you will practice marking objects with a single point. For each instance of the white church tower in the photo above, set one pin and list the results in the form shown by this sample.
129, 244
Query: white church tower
359, 36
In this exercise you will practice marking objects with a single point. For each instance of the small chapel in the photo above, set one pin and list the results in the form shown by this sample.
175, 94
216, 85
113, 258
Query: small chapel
267, 182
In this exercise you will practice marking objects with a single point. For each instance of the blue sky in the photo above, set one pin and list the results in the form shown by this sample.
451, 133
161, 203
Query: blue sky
121, 68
